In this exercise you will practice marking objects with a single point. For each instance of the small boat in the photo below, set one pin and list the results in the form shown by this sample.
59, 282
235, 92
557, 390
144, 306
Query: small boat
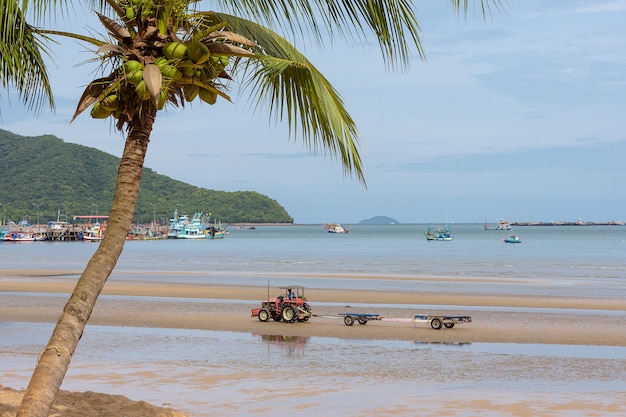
335, 228
512, 239
502, 225
19, 237
94, 232
439, 233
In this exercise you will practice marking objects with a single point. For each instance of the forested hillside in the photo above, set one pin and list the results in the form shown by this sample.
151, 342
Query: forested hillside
45, 176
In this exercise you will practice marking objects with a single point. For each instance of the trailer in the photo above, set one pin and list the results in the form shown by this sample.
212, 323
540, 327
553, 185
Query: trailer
361, 318
437, 322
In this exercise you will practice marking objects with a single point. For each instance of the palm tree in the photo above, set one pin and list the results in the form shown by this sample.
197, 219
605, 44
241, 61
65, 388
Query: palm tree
164, 52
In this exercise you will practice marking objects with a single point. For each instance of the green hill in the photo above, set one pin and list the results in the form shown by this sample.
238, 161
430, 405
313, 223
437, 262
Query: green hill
48, 176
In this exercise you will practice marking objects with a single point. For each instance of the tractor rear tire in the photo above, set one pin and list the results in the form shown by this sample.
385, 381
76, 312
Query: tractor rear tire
264, 315
289, 314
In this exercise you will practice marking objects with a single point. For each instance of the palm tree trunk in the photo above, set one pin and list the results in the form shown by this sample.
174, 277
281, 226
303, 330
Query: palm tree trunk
55, 358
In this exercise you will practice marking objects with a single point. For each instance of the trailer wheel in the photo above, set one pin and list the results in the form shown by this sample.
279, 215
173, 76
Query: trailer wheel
363, 321
349, 320
449, 325
264, 315
277, 317
288, 314
306, 308
436, 324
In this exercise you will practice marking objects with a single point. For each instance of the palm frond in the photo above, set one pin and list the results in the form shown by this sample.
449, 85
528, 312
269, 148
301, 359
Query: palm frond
281, 79
392, 22
21, 58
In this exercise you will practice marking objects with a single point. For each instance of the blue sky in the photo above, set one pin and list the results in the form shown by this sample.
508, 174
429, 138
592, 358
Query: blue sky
520, 116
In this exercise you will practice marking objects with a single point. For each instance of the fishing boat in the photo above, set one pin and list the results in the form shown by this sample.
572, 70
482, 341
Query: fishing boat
512, 239
502, 225
440, 233
198, 227
335, 228
94, 232
19, 237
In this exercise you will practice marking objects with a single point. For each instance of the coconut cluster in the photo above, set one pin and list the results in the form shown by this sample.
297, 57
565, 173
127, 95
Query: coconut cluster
191, 64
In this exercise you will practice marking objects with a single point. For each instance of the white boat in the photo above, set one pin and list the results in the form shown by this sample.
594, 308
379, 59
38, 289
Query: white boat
19, 237
502, 225
335, 228
94, 232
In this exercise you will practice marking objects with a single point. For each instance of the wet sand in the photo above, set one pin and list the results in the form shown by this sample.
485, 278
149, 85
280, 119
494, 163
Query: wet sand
499, 319
31, 296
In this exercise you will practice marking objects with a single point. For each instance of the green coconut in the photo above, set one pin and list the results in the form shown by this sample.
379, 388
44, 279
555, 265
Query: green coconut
135, 77
198, 52
110, 103
99, 112
131, 65
142, 91
175, 50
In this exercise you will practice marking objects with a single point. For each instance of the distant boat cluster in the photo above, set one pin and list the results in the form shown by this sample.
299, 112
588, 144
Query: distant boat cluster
91, 230
578, 222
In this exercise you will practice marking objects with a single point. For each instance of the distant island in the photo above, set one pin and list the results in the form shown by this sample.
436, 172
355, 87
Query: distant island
379, 220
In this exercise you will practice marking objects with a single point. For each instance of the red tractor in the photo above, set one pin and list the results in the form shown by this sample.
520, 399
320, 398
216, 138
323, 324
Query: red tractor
290, 306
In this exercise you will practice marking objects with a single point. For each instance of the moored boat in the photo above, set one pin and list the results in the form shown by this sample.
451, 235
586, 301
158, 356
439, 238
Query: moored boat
198, 227
512, 239
440, 233
19, 237
502, 225
94, 232
335, 228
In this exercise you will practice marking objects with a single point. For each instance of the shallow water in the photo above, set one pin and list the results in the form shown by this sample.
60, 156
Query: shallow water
225, 373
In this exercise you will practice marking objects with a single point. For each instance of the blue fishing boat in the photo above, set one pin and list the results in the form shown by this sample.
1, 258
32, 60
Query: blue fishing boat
440, 233
512, 239
198, 227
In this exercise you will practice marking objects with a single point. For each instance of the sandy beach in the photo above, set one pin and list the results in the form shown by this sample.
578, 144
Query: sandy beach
31, 296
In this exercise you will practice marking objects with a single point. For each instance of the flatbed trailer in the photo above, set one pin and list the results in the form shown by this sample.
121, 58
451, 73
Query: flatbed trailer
361, 318
437, 322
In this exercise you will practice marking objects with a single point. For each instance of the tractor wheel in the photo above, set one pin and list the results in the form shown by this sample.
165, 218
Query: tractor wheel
349, 320
264, 315
288, 314
436, 324
448, 325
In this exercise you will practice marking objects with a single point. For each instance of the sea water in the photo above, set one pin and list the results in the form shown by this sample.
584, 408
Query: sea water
551, 260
